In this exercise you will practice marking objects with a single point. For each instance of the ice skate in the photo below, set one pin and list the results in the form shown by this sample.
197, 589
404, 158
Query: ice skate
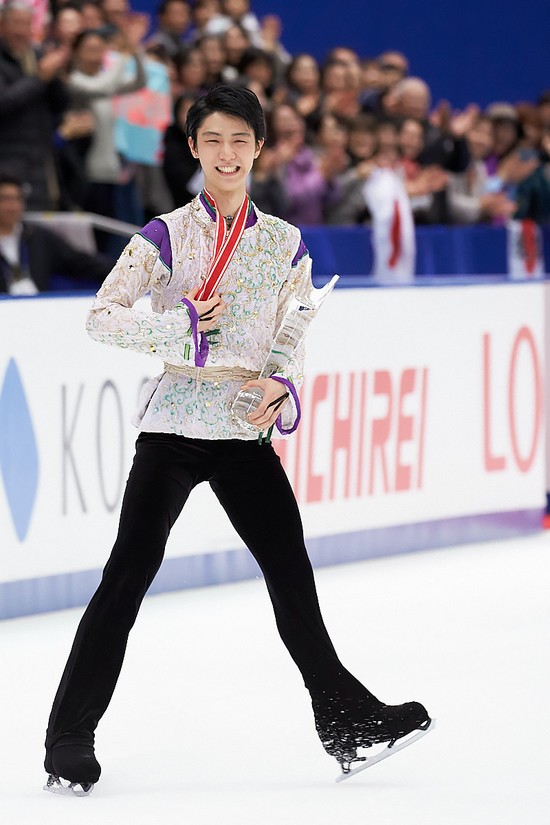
73, 770
344, 726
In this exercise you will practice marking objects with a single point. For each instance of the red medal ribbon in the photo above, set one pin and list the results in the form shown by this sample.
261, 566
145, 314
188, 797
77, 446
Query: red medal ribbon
224, 247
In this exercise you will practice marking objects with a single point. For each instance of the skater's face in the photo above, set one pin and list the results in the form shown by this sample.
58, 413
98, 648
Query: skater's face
226, 148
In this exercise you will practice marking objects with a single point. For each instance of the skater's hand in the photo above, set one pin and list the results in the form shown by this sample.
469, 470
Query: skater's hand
274, 397
208, 311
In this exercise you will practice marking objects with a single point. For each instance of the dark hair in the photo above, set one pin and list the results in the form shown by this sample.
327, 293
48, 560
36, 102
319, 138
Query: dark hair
235, 25
292, 65
185, 97
363, 122
254, 55
234, 101
162, 7
184, 56
7, 179
83, 35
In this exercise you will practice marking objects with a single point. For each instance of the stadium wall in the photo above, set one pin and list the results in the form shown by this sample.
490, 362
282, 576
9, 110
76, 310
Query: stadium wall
423, 427
468, 52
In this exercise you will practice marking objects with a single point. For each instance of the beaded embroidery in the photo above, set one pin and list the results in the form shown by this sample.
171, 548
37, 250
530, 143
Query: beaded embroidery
256, 287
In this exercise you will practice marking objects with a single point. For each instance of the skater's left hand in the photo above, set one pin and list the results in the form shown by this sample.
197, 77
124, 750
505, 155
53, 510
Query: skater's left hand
275, 395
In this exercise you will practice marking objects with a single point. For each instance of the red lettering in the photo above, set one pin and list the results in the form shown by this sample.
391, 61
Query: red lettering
404, 430
524, 335
342, 432
315, 483
381, 428
280, 445
361, 434
422, 428
297, 437
493, 463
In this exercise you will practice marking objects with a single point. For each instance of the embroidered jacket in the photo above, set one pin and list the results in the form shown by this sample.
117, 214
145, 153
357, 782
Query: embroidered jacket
169, 257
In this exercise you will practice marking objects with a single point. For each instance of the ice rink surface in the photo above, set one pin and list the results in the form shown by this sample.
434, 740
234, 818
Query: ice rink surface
210, 724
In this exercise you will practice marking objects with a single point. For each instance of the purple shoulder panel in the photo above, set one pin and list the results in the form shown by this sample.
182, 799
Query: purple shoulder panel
301, 252
157, 233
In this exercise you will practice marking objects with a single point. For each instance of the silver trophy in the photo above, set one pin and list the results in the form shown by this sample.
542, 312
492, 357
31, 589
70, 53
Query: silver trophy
301, 311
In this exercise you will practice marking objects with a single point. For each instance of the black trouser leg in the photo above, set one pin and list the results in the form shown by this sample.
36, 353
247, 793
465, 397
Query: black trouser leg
252, 486
256, 494
160, 481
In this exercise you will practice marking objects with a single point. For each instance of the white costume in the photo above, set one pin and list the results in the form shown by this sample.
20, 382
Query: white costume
269, 265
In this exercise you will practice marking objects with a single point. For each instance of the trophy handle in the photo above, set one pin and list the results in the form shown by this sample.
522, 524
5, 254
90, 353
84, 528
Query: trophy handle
316, 296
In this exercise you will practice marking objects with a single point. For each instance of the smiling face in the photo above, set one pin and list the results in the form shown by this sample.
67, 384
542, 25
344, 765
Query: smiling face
90, 53
226, 148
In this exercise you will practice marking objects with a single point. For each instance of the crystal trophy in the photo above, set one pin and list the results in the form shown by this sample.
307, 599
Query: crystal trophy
301, 310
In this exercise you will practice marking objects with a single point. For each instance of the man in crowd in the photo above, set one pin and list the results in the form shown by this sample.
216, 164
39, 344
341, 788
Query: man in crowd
444, 142
174, 24
32, 98
30, 254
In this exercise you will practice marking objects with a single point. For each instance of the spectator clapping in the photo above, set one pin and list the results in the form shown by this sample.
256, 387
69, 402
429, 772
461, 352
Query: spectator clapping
331, 121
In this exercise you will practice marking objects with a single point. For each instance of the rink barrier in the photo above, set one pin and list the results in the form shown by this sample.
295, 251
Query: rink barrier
403, 445
69, 590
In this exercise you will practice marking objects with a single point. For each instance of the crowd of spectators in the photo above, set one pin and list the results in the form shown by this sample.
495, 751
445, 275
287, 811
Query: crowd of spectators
63, 114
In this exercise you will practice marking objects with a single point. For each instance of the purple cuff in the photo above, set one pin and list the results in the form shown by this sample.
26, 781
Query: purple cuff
201, 345
292, 389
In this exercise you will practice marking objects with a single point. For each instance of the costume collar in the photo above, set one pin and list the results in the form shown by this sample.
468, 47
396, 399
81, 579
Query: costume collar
210, 208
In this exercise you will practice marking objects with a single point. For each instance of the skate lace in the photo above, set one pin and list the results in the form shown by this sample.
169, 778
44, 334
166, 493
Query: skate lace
346, 764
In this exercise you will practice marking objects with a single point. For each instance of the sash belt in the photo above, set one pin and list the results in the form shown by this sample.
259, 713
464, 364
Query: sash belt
213, 373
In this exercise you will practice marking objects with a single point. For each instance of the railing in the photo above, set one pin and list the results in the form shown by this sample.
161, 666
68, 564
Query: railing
347, 250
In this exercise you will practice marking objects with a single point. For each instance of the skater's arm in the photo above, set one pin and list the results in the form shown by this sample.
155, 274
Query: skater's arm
291, 375
113, 319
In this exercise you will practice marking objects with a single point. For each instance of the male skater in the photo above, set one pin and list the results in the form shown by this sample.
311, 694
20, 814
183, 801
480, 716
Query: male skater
221, 274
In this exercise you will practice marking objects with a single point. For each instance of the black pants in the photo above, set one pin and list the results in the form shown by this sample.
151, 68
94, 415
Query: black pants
251, 485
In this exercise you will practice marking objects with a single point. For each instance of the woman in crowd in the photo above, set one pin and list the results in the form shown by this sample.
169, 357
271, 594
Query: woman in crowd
178, 164
191, 72
304, 90
307, 184
236, 41
93, 87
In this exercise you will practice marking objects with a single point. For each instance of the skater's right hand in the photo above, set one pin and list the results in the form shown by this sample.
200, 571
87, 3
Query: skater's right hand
209, 311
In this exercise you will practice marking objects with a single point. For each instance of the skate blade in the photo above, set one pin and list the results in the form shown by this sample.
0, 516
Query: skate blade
55, 785
387, 752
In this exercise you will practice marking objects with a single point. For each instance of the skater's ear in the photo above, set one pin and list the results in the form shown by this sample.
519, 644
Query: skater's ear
259, 144
193, 148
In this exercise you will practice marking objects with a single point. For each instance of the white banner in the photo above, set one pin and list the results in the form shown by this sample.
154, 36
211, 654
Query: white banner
524, 250
420, 404
393, 238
